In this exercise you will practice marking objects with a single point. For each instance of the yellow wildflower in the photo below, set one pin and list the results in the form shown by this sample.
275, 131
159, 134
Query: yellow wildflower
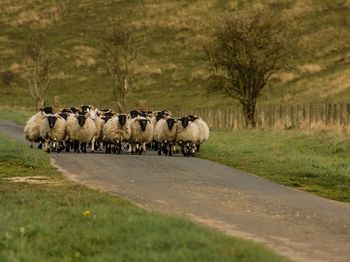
87, 213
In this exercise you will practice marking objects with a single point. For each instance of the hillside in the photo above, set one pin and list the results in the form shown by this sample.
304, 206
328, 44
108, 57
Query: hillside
171, 70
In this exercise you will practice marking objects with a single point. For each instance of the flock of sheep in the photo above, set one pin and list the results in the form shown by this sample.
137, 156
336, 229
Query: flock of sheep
79, 128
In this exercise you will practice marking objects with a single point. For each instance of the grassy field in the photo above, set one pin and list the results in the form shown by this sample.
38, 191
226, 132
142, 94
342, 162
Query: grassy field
51, 219
171, 35
316, 162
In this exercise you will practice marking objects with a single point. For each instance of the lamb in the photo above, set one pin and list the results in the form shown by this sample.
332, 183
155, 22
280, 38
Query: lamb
187, 135
82, 130
141, 134
165, 135
115, 132
32, 127
53, 131
203, 130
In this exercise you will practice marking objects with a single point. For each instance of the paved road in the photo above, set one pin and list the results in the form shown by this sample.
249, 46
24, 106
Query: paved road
299, 225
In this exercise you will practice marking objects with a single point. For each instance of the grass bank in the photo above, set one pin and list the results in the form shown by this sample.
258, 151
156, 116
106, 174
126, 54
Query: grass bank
19, 116
317, 162
48, 219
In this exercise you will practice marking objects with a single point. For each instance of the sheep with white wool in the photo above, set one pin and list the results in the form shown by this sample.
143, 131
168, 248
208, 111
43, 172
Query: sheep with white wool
165, 135
53, 131
187, 135
203, 135
115, 132
99, 122
82, 130
32, 127
141, 134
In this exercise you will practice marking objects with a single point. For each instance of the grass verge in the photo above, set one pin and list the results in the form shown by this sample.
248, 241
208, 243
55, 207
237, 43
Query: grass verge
16, 115
317, 162
59, 220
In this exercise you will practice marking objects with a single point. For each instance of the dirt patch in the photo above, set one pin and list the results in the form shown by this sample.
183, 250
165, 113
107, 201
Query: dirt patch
34, 180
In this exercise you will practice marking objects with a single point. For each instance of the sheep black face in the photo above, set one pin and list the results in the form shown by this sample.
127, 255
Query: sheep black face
47, 110
64, 115
106, 117
74, 110
192, 117
170, 122
143, 124
85, 109
134, 113
122, 120
184, 121
66, 110
81, 120
52, 121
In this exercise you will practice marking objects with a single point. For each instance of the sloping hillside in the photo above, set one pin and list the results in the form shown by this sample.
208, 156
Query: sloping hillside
171, 70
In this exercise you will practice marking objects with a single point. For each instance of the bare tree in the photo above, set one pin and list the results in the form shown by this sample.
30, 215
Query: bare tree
37, 67
247, 48
120, 53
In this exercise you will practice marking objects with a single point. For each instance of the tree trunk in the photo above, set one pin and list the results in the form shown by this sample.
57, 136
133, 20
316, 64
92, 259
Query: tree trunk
249, 114
39, 103
121, 103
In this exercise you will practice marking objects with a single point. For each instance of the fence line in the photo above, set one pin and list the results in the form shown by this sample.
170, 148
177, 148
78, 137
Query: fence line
314, 115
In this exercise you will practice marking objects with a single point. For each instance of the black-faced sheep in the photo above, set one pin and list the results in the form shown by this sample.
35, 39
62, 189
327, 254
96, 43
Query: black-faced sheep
32, 127
81, 129
53, 131
141, 134
187, 135
203, 135
165, 135
115, 132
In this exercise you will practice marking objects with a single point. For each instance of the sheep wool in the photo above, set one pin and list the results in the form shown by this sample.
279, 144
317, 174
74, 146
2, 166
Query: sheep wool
162, 131
83, 134
57, 133
32, 127
137, 134
113, 131
190, 133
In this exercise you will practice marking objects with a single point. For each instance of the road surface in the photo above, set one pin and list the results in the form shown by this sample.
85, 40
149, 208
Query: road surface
296, 224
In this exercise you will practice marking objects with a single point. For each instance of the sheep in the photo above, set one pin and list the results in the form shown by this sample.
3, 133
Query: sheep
53, 131
115, 132
99, 122
32, 127
187, 135
141, 134
82, 129
203, 130
165, 135
155, 117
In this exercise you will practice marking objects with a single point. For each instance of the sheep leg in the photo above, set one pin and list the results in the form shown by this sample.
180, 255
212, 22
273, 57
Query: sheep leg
144, 146
31, 144
40, 146
93, 145
47, 146
159, 147
67, 142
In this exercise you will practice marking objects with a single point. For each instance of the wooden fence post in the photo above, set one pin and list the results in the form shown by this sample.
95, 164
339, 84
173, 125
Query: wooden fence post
57, 104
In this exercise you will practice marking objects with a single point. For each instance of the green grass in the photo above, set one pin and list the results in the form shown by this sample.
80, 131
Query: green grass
171, 72
62, 221
15, 115
315, 162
